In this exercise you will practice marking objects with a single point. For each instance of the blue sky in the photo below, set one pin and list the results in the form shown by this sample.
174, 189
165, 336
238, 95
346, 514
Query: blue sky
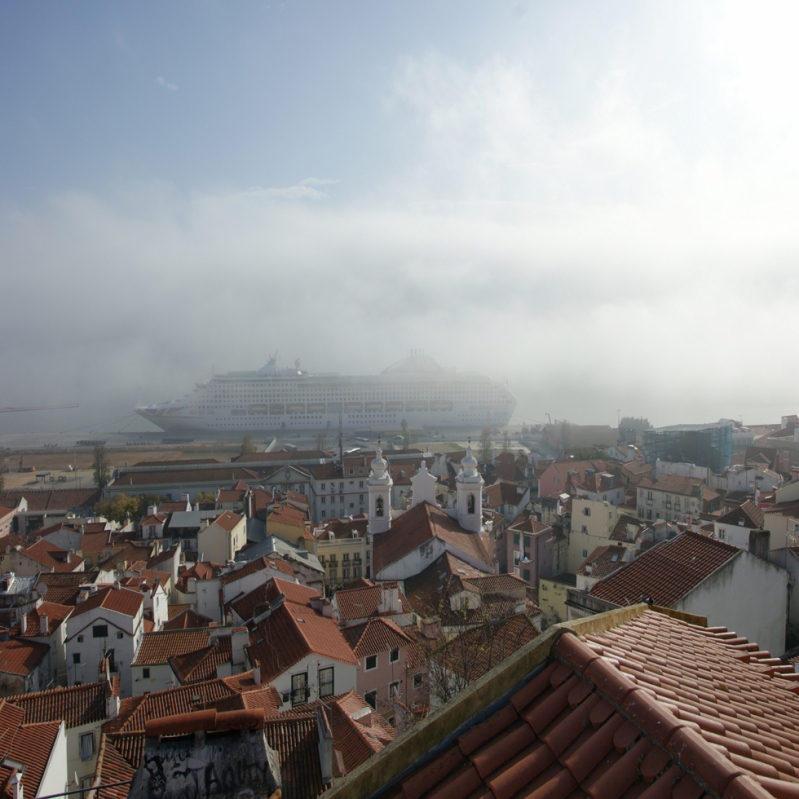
594, 201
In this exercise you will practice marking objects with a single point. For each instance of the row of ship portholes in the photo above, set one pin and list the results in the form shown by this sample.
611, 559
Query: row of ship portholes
300, 408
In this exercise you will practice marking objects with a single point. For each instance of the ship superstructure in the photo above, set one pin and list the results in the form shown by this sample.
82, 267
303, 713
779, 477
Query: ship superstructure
416, 390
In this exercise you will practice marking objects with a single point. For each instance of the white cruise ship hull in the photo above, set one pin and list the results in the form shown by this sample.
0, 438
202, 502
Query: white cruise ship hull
415, 391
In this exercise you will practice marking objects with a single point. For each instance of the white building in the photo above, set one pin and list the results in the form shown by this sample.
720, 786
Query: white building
108, 623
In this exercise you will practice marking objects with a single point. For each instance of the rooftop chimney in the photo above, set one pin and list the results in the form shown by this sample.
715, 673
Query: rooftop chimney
16, 785
256, 675
44, 625
23, 623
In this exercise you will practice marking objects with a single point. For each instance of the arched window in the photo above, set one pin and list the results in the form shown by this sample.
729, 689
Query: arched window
470, 503
379, 506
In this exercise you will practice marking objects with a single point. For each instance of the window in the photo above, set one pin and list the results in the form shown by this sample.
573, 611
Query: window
76, 658
119, 635
145, 673
86, 746
299, 688
80, 639
470, 503
326, 682
586, 511
323, 486
515, 538
393, 656
585, 529
100, 631
360, 484
345, 574
371, 699
526, 574
417, 681
393, 690
333, 573
371, 662
379, 506
585, 553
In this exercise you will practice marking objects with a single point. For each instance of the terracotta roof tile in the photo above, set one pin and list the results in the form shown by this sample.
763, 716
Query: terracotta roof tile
183, 477
29, 744
418, 525
604, 560
119, 600
582, 725
377, 635
53, 557
227, 520
63, 587
186, 619
20, 656
158, 647
79, 704
295, 739
666, 572
59, 499
201, 664
112, 766
673, 484
253, 566
54, 613
361, 603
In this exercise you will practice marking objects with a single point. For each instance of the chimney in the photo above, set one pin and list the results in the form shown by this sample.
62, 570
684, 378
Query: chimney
256, 675
325, 746
16, 786
389, 598
23, 623
151, 510
116, 585
44, 625
430, 628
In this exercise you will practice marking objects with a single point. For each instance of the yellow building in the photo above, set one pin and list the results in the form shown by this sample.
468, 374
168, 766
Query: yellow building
344, 549
552, 597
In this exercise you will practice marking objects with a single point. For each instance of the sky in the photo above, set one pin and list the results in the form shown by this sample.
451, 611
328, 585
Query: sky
595, 202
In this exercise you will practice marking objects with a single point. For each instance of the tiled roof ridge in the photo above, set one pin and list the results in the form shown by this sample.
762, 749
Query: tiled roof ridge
750, 653
677, 737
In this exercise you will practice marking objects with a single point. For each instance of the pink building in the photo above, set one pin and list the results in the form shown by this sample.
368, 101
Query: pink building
391, 674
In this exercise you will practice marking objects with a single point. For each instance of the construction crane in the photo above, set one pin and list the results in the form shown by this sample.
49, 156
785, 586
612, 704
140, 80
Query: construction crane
38, 408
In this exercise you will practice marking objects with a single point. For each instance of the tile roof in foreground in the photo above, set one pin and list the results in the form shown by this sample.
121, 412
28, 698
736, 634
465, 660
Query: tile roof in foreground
630, 704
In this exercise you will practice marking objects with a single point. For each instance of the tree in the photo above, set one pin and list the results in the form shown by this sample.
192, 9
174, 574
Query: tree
101, 467
246, 445
486, 445
204, 496
120, 509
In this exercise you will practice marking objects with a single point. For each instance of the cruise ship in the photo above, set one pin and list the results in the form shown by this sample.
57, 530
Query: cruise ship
416, 390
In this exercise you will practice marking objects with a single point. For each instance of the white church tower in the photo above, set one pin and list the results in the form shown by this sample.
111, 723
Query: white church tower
470, 494
423, 487
379, 485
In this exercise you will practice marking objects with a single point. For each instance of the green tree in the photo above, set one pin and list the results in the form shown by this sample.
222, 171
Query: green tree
246, 445
486, 445
101, 466
204, 496
120, 509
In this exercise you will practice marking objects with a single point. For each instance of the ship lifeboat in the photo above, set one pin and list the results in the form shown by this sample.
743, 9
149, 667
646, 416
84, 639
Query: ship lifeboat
395, 405
440, 405
353, 407
416, 405
295, 407
254, 410
316, 407
277, 409
374, 407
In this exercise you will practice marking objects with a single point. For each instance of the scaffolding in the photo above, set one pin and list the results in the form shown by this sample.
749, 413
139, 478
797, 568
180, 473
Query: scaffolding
708, 445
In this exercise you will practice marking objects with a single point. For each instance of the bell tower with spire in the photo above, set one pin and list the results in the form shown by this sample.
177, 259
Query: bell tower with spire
379, 485
470, 494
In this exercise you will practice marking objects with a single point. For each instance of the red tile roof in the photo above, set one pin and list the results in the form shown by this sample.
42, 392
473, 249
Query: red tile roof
79, 704
187, 618
184, 477
503, 493
158, 647
288, 514
748, 514
53, 557
667, 572
59, 499
20, 656
136, 710
361, 603
55, 616
227, 520
119, 600
202, 664
29, 744
281, 457
650, 708
296, 741
674, 484
259, 564
419, 525
62, 588
301, 632
357, 740
604, 560
114, 767
95, 543
377, 635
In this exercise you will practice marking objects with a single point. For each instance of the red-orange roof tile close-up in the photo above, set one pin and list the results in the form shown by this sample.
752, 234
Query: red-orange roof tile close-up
632, 704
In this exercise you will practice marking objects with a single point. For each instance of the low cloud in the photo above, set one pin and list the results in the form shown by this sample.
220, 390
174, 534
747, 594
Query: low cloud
168, 86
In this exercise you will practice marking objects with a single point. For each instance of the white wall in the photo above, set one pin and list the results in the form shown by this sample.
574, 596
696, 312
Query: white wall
344, 677
56, 773
748, 596
83, 768
161, 678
